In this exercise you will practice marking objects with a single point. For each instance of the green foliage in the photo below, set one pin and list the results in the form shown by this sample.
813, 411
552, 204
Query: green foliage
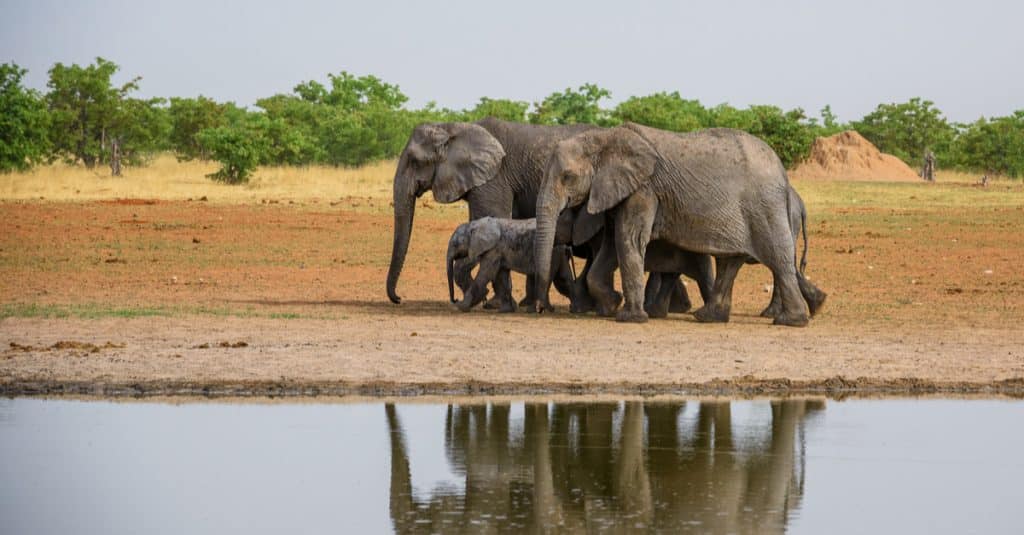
907, 130
508, 110
24, 122
88, 112
667, 111
787, 132
570, 107
190, 115
239, 147
993, 145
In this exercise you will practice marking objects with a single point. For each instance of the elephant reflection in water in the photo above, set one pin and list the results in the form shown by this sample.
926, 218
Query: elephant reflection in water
586, 467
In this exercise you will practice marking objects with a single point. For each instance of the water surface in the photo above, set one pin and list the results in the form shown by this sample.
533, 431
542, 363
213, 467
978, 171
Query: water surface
796, 466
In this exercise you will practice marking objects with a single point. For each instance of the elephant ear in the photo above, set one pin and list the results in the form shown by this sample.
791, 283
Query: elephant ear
586, 226
483, 237
625, 161
472, 157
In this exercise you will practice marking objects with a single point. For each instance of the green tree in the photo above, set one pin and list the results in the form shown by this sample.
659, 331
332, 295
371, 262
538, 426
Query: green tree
508, 110
190, 115
908, 129
89, 114
24, 122
667, 111
993, 145
574, 106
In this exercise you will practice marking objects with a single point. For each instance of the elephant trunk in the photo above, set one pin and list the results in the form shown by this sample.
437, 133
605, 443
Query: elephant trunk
549, 206
450, 263
405, 209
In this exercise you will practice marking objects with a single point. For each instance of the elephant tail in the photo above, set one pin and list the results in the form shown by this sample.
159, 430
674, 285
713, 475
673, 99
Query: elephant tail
803, 225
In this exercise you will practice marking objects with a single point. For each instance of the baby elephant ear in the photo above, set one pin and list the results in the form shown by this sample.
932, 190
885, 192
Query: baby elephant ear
586, 226
472, 157
625, 162
483, 237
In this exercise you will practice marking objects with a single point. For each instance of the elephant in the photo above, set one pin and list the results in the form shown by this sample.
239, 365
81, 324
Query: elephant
499, 246
495, 166
663, 292
719, 191
665, 262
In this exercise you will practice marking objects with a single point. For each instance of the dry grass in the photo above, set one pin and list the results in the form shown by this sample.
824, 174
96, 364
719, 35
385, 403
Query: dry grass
168, 179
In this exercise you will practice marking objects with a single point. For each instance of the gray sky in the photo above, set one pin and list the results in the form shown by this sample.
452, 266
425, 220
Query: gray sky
966, 56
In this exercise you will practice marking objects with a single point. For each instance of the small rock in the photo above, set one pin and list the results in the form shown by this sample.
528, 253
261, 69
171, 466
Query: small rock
413, 334
767, 288
195, 240
988, 271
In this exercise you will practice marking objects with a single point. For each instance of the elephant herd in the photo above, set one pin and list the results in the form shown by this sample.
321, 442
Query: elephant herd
581, 467
628, 198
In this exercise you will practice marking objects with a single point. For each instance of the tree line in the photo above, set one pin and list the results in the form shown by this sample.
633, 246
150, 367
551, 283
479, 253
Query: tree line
84, 118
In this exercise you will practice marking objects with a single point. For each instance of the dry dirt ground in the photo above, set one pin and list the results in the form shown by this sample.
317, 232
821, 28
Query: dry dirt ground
926, 294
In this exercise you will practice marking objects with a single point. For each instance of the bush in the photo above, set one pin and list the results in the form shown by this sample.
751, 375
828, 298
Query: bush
239, 148
993, 146
667, 111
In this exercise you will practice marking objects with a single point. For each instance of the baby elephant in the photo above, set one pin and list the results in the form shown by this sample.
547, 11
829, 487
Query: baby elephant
499, 246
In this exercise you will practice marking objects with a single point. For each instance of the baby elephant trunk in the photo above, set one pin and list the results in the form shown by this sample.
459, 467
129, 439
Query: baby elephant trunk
451, 269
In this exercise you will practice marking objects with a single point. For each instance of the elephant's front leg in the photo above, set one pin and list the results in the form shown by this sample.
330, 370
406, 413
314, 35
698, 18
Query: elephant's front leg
580, 302
489, 267
633, 222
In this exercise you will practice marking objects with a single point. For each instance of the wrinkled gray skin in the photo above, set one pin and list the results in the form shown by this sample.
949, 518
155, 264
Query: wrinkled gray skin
499, 246
721, 192
494, 165
666, 263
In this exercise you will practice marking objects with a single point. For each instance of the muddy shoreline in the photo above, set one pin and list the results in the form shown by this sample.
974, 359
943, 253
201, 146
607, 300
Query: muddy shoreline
834, 388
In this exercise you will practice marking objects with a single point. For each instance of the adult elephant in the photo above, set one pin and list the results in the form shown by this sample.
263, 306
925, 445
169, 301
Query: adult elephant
495, 166
721, 192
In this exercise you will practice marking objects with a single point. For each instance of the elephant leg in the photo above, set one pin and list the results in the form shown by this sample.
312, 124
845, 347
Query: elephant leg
774, 307
580, 302
795, 312
495, 302
601, 278
489, 267
531, 291
813, 295
504, 293
651, 292
658, 294
562, 278
633, 222
679, 300
717, 308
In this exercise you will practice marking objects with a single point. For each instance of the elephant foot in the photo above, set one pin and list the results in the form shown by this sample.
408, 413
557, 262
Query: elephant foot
493, 303
791, 320
581, 308
464, 305
771, 311
631, 316
608, 307
657, 311
712, 314
815, 301
508, 307
542, 306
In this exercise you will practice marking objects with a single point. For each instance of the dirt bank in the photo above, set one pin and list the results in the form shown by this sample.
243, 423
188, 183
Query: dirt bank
420, 351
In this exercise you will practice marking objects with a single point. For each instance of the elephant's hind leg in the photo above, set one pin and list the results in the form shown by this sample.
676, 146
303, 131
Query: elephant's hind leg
794, 311
813, 295
679, 300
503, 293
718, 307
659, 293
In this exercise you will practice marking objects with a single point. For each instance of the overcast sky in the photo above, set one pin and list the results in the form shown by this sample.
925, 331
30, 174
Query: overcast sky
967, 56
